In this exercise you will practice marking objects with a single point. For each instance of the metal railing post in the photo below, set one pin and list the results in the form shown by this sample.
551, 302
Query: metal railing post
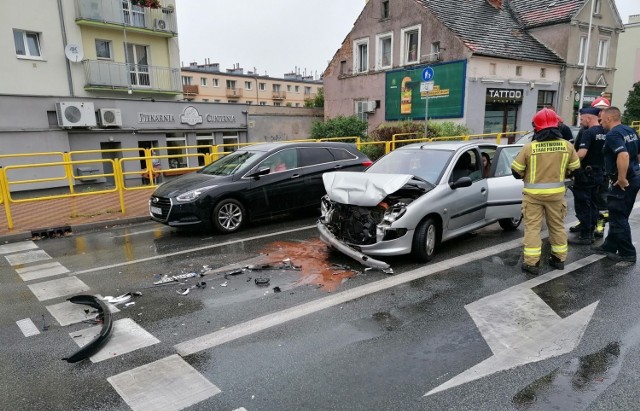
119, 177
68, 169
4, 189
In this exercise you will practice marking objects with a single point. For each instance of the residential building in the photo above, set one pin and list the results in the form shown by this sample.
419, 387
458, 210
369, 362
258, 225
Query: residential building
492, 63
628, 62
205, 82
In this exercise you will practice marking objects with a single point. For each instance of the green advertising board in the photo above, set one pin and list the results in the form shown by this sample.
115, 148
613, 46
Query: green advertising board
403, 100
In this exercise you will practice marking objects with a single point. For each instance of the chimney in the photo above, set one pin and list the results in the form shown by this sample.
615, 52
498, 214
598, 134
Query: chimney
496, 3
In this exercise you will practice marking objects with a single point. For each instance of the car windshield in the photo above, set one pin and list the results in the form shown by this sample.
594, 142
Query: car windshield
425, 164
237, 161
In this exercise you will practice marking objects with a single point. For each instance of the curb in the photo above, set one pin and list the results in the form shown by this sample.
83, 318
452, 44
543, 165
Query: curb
77, 228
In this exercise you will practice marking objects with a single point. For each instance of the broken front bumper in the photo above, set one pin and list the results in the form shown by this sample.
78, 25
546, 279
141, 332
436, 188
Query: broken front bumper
328, 238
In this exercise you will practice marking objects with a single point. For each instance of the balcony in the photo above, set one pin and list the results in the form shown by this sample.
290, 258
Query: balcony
107, 75
234, 92
279, 95
190, 91
113, 14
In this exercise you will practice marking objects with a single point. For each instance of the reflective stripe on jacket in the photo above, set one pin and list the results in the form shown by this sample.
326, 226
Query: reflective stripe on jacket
544, 165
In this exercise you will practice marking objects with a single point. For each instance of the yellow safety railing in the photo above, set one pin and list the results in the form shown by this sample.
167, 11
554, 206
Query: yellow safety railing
636, 125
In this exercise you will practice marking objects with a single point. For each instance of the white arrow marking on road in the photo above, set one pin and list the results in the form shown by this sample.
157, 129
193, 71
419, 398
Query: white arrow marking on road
520, 328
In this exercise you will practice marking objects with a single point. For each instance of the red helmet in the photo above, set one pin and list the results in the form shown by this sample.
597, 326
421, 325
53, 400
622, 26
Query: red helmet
601, 102
545, 118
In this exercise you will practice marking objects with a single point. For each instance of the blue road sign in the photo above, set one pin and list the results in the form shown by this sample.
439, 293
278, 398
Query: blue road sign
427, 74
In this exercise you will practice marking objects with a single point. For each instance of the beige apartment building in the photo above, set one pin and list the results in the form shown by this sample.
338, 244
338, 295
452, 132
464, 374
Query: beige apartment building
628, 62
206, 83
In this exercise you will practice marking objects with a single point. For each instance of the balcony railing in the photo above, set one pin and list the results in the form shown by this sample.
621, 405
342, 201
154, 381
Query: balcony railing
234, 92
190, 90
162, 21
107, 74
279, 95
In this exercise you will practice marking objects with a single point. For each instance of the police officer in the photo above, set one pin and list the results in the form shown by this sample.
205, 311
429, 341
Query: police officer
621, 162
588, 178
537, 163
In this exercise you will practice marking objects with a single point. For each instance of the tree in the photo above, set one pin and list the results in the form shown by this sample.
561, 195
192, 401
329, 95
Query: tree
340, 126
632, 106
317, 101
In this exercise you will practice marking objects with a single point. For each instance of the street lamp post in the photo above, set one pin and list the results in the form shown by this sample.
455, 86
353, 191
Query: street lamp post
586, 61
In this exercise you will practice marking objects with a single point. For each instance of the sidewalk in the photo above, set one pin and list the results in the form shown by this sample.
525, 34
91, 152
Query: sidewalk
50, 218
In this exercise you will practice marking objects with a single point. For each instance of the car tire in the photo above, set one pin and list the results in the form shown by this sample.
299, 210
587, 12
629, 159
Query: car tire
425, 240
228, 216
510, 224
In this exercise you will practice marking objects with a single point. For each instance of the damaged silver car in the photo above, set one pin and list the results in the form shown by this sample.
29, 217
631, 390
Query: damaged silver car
418, 196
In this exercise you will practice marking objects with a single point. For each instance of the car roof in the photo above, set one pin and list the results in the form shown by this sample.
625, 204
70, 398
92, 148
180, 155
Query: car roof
276, 145
440, 145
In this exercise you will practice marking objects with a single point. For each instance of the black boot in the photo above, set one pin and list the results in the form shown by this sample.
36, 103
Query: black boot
556, 263
531, 269
582, 239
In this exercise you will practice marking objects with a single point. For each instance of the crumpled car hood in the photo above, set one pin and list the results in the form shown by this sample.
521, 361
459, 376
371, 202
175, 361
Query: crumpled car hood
362, 189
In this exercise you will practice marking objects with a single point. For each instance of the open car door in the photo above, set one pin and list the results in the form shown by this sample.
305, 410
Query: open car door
505, 191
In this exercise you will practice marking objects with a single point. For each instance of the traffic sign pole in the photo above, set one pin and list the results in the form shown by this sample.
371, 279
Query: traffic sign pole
427, 76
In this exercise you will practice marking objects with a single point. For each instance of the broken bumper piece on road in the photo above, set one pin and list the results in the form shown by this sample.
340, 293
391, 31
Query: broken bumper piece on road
328, 238
101, 339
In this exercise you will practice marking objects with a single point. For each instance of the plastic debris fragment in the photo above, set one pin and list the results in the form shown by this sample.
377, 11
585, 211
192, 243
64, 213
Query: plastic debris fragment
262, 281
276, 289
173, 278
183, 291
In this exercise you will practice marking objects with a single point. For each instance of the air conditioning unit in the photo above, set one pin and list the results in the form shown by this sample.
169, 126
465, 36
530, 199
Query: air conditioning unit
369, 106
76, 114
110, 117
159, 24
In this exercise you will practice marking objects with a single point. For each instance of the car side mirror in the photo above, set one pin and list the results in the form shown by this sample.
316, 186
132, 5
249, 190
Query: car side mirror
461, 182
260, 172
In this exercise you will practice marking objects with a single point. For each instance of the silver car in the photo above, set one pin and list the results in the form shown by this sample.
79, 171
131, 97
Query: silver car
417, 196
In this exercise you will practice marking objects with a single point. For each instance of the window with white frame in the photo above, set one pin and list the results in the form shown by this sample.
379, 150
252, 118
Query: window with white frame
262, 86
263, 103
361, 110
597, 7
187, 80
384, 51
603, 52
361, 56
247, 85
205, 141
230, 137
410, 44
214, 82
203, 81
289, 88
384, 12
104, 49
27, 43
435, 51
177, 150
297, 89
582, 52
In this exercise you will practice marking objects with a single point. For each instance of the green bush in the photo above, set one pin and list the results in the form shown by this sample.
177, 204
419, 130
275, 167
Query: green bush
340, 126
632, 106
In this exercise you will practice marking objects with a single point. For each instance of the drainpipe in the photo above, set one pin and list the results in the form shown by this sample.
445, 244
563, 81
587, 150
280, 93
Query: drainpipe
586, 61
64, 43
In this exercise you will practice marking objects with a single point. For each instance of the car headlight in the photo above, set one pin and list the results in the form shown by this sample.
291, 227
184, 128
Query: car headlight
193, 194
394, 212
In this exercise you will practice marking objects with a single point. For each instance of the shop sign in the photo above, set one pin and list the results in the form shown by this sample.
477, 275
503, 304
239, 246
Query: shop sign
191, 116
504, 96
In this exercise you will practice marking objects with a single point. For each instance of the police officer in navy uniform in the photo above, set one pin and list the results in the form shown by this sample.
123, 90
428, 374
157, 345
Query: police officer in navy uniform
621, 162
588, 178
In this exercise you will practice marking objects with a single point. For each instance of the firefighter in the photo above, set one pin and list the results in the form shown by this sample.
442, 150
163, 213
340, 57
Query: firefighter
621, 163
588, 178
543, 164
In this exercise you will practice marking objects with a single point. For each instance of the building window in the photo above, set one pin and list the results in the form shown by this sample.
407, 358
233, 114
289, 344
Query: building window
603, 52
543, 72
410, 45
596, 7
263, 86
297, 104
205, 100
307, 90
103, 49
216, 100
582, 51
187, 81
361, 110
203, 81
518, 71
263, 103
385, 10
343, 67
384, 51
289, 88
361, 56
275, 88
248, 102
545, 99
492, 69
247, 85
277, 103
214, 82
232, 101
176, 146
435, 51
297, 89
27, 43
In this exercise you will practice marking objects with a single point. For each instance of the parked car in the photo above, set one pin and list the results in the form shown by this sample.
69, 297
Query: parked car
256, 182
418, 196
526, 138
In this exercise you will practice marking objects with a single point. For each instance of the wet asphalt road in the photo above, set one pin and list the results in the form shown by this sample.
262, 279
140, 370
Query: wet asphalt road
382, 347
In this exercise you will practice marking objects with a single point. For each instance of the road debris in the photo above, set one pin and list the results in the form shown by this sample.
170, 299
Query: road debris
262, 281
276, 289
104, 314
224, 284
174, 278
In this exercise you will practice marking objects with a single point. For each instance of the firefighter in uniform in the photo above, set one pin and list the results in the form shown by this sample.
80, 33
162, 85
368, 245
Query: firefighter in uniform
543, 164
588, 178
621, 162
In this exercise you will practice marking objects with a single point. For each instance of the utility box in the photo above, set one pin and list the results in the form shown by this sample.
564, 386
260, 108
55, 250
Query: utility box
87, 171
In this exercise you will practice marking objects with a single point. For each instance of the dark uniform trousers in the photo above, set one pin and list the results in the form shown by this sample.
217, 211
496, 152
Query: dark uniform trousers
620, 203
586, 193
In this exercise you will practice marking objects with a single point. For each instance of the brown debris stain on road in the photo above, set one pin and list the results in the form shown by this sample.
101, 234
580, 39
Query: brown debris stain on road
313, 258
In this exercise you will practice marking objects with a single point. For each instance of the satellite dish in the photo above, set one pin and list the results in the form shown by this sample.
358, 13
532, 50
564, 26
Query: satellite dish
73, 52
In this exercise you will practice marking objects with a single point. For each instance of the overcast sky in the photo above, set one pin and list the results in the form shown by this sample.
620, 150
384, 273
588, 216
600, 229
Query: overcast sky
277, 36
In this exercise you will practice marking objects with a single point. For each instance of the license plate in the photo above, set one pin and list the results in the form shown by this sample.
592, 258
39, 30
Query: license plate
156, 210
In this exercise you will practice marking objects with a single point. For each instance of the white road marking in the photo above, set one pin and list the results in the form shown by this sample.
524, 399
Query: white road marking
27, 257
17, 247
58, 288
27, 327
155, 230
126, 336
169, 384
67, 313
520, 328
191, 250
36, 272
262, 323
